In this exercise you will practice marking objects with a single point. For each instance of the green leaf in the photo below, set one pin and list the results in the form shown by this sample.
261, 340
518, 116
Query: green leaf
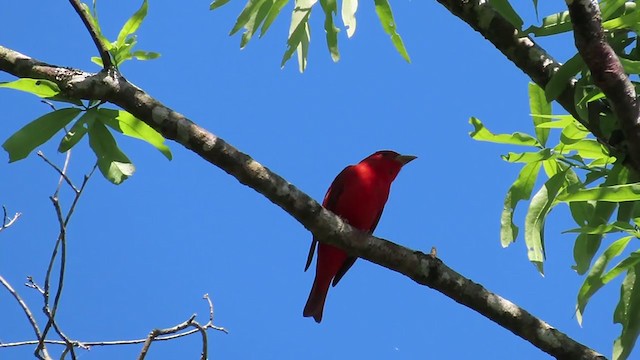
299, 33
562, 77
520, 190
627, 314
540, 206
628, 21
217, 3
114, 165
330, 8
77, 131
573, 133
145, 55
37, 87
383, 9
37, 132
348, 13
272, 15
539, 106
506, 10
551, 25
586, 148
529, 157
250, 9
594, 280
481, 133
129, 125
617, 226
257, 17
609, 7
133, 24
614, 193
563, 121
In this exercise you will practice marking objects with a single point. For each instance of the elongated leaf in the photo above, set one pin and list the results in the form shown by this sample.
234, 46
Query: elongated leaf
114, 165
299, 33
77, 131
504, 8
614, 193
217, 3
561, 78
627, 21
330, 8
594, 281
520, 190
609, 7
617, 226
145, 55
481, 133
540, 206
272, 15
249, 10
551, 25
383, 9
129, 125
539, 106
586, 148
573, 133
528, 157
133, 24
39, 88
257, 17
560, 124
627, 313
348, 13
37, 132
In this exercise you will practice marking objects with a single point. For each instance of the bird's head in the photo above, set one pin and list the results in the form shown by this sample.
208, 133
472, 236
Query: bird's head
387, 162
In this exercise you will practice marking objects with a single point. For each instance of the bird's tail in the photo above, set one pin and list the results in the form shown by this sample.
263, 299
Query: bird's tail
315, 303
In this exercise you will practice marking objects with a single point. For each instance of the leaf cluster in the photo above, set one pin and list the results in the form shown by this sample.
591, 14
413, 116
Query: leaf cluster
261, 14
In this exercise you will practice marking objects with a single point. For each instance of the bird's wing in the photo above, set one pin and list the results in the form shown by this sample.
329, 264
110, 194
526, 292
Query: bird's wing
350, 260
330, 201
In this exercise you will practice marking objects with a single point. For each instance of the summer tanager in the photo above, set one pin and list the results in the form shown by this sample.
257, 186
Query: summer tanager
358, 195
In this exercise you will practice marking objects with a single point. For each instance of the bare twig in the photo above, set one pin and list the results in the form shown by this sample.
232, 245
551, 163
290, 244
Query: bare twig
157, 332
27, 311
607, 71
61, 172
6, 221
93, 31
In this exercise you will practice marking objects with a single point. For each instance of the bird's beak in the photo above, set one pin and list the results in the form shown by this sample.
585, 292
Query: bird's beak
405, 159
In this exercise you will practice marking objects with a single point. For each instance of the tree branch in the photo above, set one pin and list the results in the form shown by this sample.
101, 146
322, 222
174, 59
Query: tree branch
94, 32
329, 228
607, 71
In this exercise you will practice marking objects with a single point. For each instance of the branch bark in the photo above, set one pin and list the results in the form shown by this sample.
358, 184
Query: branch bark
607, 71
424, 269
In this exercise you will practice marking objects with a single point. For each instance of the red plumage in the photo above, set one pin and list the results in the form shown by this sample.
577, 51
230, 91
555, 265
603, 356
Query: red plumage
358, 195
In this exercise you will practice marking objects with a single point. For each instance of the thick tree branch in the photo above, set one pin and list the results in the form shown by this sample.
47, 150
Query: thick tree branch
607, 71
329, 228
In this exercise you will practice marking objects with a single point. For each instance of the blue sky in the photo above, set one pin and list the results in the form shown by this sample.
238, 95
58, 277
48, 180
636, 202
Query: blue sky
141, 255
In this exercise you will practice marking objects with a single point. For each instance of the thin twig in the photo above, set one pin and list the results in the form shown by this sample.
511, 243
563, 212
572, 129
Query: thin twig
88, 344
157, 332
6, 221
93, 31
62, 172
27, 312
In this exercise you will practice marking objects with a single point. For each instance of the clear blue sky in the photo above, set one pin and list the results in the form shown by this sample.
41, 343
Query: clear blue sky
141, 255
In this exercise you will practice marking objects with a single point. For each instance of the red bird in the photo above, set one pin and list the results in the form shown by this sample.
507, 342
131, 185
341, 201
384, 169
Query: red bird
358, 195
